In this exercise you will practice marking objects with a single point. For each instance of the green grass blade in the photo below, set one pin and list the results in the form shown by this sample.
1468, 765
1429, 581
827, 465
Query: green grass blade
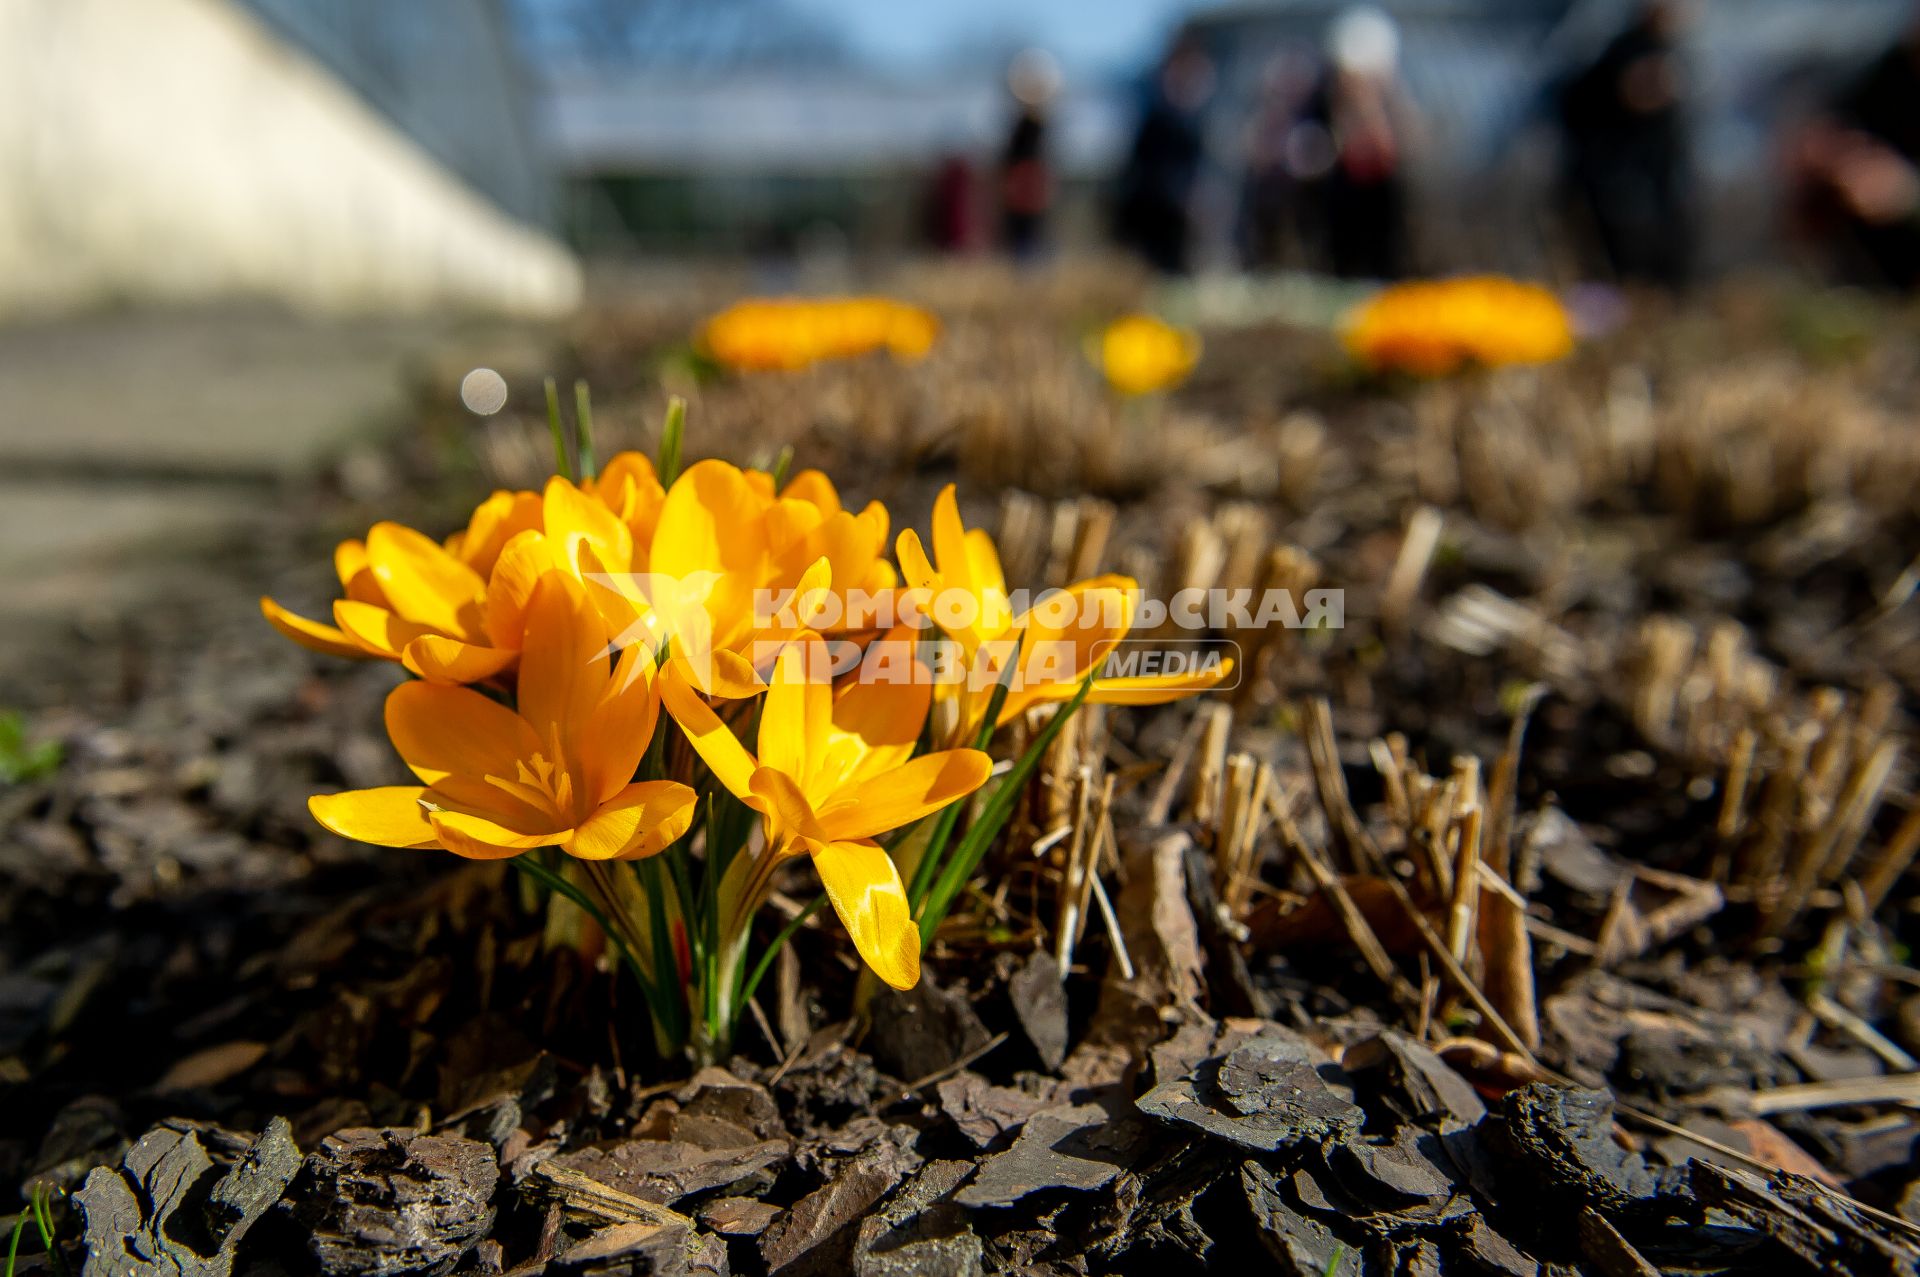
973, 848
557, 430
779, 942
931, 859
583, 429
672, 434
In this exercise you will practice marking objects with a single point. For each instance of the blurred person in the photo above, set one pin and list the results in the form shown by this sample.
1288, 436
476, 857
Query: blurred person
1154, 213
951, 212
1857, 168
1026, 173
1269, 231
1628, 172
1356, 151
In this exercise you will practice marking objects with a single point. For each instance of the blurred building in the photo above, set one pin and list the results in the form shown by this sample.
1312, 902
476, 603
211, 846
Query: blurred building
341, 154
744, 125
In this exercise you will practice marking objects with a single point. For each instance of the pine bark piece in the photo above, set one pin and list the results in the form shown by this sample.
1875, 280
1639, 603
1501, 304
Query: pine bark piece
1265, 1095
147, 1219
395, 1201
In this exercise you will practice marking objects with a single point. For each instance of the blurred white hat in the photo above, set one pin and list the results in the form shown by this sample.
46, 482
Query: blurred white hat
1364, 41
1033, 76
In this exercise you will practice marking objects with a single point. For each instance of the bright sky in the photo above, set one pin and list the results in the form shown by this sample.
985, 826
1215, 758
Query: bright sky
1088, 36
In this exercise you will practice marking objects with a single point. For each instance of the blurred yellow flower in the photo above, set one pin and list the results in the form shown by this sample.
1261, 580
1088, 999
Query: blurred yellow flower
1434, 327
1141, 354
785, 333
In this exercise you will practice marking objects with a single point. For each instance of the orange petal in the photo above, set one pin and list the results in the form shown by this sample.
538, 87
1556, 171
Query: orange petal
617, 733
865, 888
571, 518
564, 662
518, 569
881, 722
897, 798
638, 821
914, 566
722, 675
445, 660
310, 634
1156, 689
721, 750
711, 521
424, 582
813, 487
778, 795
461, 843
798, 713
387, 817
376, 629
496, 521
454, 731
949, 539
356, 575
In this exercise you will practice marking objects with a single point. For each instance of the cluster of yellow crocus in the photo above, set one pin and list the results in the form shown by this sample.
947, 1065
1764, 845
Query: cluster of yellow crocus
1140, 354
549, 633
786, 333
1431, 328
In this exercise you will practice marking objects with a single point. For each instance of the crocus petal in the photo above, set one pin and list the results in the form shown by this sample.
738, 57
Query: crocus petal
571, 518
795, 719
866, 892
718, 673
424, 582
1155, 689
815, 488
711, 521
897, 798
446, 660
356, 575
454, 731
461, 843
311, 634
716, 744
950, 542
377, 630
914, 565
390, 816
778, 795
877, 722
496, 521
617, 733
640, 820
564, 665
518, 569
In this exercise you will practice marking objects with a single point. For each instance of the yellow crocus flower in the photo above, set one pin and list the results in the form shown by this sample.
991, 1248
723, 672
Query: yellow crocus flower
834, 771
1431, 328
1068, 633
556, 771
1141, 354
787, 333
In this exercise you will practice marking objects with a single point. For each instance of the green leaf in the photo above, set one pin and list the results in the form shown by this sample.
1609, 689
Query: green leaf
774, 946
557, 430
993, 817
583, 429
20, 761
673, 434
